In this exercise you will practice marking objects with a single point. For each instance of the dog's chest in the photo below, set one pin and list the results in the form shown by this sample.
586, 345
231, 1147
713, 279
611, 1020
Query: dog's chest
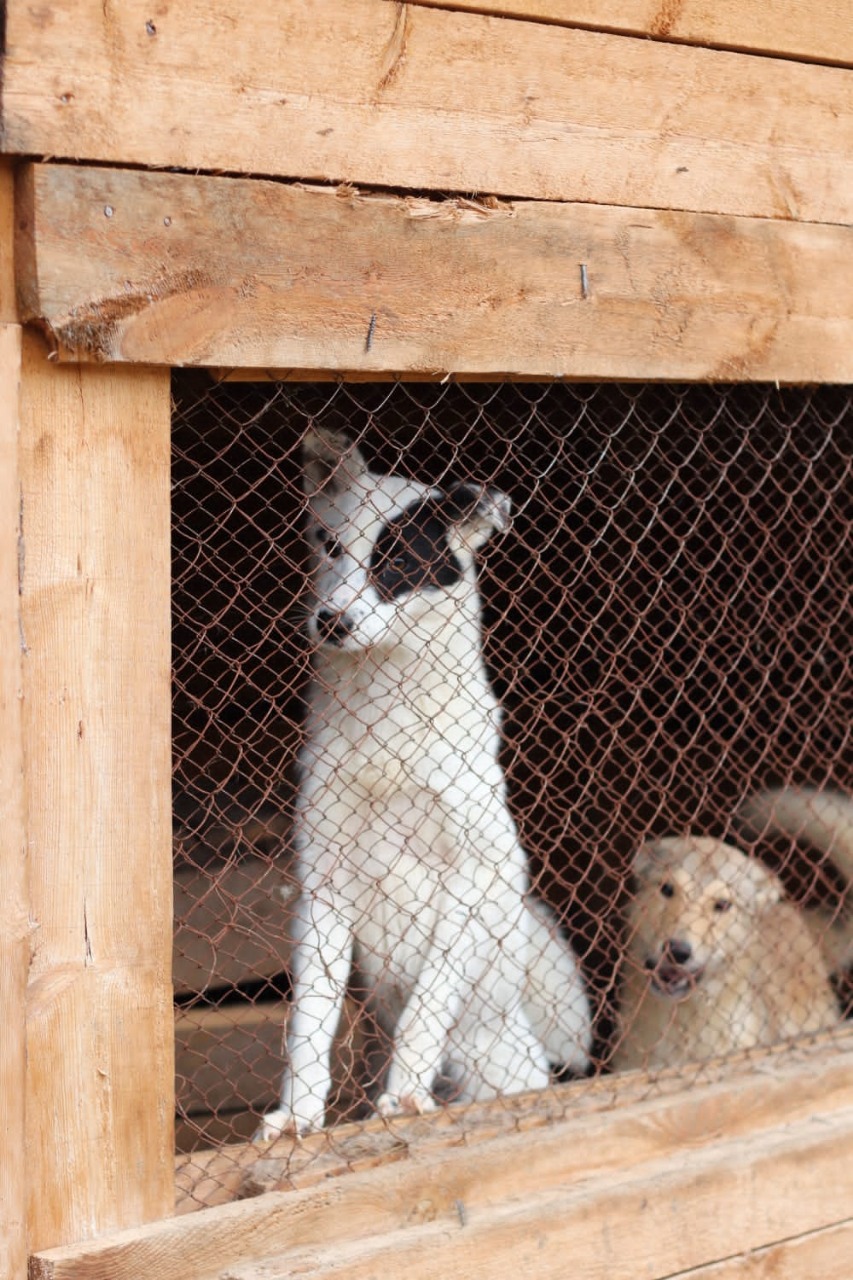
381, 742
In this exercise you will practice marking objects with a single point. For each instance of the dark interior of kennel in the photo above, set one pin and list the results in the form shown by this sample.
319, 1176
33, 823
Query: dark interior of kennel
667, 623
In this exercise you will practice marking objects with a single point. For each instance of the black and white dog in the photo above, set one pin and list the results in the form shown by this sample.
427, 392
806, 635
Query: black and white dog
410, 868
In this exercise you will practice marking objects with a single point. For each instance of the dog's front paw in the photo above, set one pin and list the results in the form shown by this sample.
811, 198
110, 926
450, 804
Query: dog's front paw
415, 1102
279, 1122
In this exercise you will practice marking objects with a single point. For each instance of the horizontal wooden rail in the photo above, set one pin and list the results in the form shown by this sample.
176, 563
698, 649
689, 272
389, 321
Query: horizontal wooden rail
774, 27
711, 1169
399, 95
123, 265
825, 1254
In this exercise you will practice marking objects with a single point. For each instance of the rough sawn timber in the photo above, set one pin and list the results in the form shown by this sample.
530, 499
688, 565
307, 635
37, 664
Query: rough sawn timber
400, 95
231, 272
751, 1158
95, 658
760, 26
15, 932
825, 1254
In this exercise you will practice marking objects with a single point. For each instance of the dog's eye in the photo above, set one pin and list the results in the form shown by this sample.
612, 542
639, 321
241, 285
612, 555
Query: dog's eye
722, 905
667, 889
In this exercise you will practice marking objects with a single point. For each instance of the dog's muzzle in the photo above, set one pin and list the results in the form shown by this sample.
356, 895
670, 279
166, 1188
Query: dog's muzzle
672, 974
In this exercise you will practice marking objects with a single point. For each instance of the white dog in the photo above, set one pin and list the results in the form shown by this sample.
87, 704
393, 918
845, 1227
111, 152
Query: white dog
411, 872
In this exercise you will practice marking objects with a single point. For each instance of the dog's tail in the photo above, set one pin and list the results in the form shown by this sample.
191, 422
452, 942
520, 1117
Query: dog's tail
824, 821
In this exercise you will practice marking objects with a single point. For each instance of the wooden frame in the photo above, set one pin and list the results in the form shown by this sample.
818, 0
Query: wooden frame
478, 188
86, 842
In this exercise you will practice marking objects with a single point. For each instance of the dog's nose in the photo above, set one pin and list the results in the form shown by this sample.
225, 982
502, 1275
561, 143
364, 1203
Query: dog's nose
677, 951
333, 628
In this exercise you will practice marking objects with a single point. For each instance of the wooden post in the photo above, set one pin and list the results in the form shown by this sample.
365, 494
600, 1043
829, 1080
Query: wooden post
94, 468
14, 933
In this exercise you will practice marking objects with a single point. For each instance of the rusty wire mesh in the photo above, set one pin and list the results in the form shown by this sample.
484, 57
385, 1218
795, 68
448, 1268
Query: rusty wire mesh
666, 629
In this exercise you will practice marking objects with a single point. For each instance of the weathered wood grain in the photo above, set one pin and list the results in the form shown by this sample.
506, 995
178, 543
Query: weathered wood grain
402, 95
231, 272
745, 1164
825, 1254
733, 1196
8, 301
14, 897
94, 450
818, 34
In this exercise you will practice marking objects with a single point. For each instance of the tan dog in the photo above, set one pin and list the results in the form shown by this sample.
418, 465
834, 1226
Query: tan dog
820, 820
717, 960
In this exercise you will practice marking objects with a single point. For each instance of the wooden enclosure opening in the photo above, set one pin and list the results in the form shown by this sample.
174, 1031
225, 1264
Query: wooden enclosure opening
665, 628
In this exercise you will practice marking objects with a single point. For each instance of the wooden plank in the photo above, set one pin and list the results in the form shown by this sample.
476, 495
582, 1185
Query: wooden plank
535, 288
407, 96
825, 1254
774, 27
8, 301
774, 1174
96, 712
732, 1097
229, 1058
734, 1196
14, 899
230, 924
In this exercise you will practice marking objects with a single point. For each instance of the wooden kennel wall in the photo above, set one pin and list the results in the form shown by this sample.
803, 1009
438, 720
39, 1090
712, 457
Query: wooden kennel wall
536, 188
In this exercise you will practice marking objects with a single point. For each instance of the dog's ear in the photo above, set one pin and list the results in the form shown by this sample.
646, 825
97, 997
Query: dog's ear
331, 461
474, 513
758, 885
648, 858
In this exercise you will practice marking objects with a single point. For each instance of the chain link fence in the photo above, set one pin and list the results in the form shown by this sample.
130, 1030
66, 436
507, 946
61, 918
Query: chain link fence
666, 628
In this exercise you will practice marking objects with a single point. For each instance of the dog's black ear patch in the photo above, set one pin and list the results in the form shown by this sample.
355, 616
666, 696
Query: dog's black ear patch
412, 552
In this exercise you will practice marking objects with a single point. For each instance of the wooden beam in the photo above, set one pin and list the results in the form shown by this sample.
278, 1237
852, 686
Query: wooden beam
231, 1057
734, 1096
401, 95
774, 27
711, 1171
825, 1254
733, 1196
94, 449
8, 301
321, 280
14, 898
